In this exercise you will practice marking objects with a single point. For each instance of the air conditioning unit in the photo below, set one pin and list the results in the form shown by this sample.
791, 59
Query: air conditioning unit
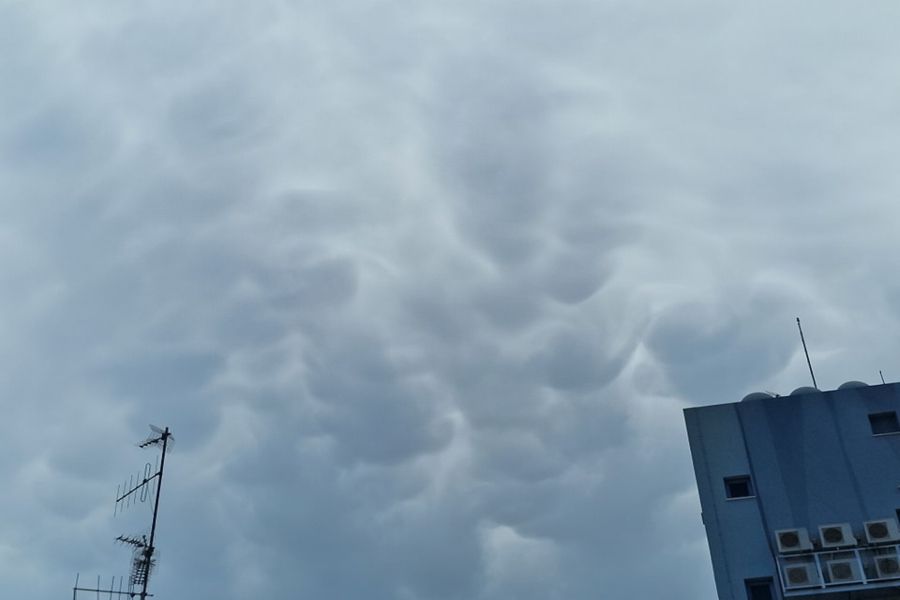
837, 535
844, 571
887, 566
882, 531
800, 576
793, 540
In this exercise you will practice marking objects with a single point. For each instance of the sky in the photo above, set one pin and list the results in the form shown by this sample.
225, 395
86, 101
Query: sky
422, 288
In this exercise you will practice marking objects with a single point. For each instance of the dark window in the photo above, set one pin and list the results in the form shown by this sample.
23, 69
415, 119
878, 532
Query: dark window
885, 422
759, 589
738, 487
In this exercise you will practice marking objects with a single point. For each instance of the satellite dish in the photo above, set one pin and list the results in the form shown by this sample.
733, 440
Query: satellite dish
849, 385
804, 390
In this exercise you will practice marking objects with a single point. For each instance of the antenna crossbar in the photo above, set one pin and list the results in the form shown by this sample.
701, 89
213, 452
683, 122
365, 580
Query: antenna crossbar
111, 592
138, 486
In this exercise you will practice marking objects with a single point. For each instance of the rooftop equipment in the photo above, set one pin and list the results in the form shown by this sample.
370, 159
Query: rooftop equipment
882, 531
837, 535
793, 540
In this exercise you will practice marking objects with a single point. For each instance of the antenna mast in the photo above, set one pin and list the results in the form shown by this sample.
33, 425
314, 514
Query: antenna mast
146, 486
806, 352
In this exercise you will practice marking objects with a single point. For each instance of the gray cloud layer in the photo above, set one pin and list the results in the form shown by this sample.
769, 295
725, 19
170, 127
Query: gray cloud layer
422, 287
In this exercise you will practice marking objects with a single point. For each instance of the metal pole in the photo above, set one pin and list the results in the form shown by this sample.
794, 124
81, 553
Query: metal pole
150, 548
811, 374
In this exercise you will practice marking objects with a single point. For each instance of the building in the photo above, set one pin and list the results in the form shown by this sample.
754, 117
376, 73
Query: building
801, 494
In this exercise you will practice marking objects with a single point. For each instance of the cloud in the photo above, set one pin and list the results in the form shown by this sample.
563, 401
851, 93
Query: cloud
421, 289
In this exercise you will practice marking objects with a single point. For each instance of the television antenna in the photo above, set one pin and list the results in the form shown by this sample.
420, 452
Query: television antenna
144, 487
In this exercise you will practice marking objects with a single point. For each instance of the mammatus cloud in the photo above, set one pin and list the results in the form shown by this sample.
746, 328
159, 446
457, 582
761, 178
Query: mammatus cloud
421, 289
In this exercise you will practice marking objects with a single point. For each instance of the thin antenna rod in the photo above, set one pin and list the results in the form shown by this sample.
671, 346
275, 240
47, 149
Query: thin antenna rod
882, 375
806, 352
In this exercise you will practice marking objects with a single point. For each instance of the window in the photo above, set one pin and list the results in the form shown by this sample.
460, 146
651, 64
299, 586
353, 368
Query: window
885, 422
759, 589
738, 487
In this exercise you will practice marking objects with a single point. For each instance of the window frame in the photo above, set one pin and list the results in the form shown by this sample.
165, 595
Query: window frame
739, 479
887, 417
760, 582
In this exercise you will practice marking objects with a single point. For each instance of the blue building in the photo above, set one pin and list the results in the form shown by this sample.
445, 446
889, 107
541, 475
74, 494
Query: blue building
801, 494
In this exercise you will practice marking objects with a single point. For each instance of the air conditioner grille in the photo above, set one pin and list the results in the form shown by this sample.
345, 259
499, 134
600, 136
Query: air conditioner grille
833, 535
789, 539
841, 571
797, 575
878, 530
889, 565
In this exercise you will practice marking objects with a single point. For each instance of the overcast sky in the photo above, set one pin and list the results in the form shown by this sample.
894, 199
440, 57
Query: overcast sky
423, 287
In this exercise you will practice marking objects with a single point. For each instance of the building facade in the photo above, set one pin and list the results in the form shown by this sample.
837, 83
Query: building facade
801, 494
